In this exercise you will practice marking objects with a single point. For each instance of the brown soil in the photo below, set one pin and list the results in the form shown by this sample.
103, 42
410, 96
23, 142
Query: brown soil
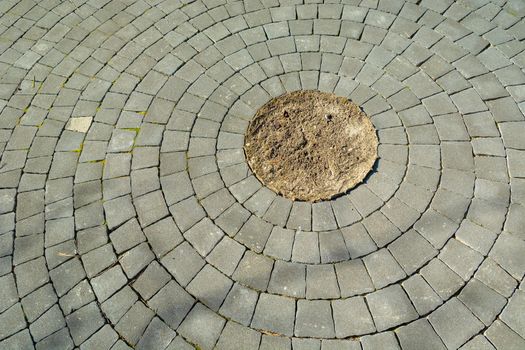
310, 145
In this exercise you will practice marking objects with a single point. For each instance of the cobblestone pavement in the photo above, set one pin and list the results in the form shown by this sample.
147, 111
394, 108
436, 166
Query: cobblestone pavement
129, 217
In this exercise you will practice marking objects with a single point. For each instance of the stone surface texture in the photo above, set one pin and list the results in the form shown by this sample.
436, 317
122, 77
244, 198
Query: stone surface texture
129, 217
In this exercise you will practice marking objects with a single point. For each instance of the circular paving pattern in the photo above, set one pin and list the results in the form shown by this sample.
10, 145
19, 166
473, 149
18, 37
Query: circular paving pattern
310, 145
129, 216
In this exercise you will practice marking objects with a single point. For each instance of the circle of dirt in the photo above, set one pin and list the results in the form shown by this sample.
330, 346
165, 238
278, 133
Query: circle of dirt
310, 145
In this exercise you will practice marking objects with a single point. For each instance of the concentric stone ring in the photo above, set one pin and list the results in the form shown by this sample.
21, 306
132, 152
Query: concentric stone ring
131, 217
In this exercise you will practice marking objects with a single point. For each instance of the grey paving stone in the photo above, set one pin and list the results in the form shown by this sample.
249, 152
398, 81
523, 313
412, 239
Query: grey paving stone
217, 203
322, 217
30, 276
157, 335
400, 214
300, 217
78, 296
30, 182
117, 165
423, 134
306, 343
226, 255
233, 219
314, 319
332, 247
8, 292
330, 344
60, 339
207, 184
516, 162
425, 156
458, 181
511, 315
50, 322
442, 279
488, 146
21, 340
254, 234
29, 204
504, 110
421, 294
163, 236
91, 238
27, 248
436, 228
254, 271
353, 278
274, 313
86, 192
144, 181
478, 342
260, 201
103, 339
506, 253
98, 259
321, 282
390, 306
7, 200
235, 336
351, 317
202, 327
279, 244
113, 188
278, 211
383, 268
381, 229
489, 87
272, 342
180, 343
60, 253
134, 322
453, 82
187, 213
460, 258
151, 280
127, 236
84, 322
510, 134
418, 335
503, 337
365, 201
204, 236
107, 283
454, 323
121, 345
150, 208
386, 340
36, 303
183, 263
210, 287
496, 278
239, 304
306, 247
12, 321
491, 168
172, 303
411, 251
483, 301
118, 211
288, 279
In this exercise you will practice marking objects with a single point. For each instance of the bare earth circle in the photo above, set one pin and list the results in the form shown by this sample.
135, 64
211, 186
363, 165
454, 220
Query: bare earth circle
310, 145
